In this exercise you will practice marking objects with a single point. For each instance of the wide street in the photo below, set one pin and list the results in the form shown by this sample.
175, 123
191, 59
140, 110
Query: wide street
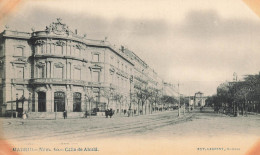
193, 133
160, 124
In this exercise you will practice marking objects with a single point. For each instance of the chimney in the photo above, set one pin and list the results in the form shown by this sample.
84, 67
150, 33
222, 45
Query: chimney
76, 31
122, 48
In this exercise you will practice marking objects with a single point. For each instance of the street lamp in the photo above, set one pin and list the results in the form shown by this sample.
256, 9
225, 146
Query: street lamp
86, 105
29, 102
16, 103
179, 110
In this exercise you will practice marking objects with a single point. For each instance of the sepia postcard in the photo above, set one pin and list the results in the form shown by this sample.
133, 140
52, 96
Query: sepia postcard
130, 77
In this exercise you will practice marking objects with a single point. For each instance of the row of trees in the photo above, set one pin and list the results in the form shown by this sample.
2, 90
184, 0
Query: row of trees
238, 97
146, 99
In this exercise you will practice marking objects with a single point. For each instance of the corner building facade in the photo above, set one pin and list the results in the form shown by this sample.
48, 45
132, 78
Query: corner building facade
56, 69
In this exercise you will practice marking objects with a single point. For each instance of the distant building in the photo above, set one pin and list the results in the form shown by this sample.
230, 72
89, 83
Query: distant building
199, 99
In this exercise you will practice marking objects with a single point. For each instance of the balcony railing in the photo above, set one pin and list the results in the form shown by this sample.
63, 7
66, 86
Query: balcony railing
57, 81
62, 81
51, 55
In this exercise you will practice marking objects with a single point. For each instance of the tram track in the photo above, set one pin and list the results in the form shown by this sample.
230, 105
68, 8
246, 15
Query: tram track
136, 126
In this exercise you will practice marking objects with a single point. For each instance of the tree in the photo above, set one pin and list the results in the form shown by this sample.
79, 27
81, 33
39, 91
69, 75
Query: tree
155, 98
118, 97
108, 94
238, 95
254, 95
170, 100
225, 97
90, 97
143, 95
242, 94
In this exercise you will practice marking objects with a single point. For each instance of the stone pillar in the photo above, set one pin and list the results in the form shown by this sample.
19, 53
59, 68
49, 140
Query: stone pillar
36, 102
46, 69
69, 99
52, 49
49, 100
51, 69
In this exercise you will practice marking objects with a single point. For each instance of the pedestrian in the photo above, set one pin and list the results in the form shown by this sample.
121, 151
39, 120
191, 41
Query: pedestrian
65, 114
111, 112
107, 113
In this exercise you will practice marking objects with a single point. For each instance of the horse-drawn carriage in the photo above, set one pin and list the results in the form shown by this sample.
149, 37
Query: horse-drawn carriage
109, 112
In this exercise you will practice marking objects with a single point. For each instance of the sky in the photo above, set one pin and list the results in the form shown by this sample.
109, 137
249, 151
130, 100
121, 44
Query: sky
196, 42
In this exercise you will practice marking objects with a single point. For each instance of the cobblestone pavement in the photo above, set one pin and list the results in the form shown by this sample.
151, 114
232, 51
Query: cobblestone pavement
160, 124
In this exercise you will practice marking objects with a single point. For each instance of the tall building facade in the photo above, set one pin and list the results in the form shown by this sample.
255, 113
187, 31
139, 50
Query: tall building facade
57, 69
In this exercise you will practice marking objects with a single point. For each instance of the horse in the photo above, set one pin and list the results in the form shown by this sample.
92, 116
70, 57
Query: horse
109, 113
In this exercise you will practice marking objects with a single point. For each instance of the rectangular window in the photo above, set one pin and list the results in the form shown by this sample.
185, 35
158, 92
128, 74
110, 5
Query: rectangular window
48, 48
95, 57
40, 72
77, 52
52, 48
18, 51
58, 50
58, 72
20, 72
95, 76
69, 71
77, 74
43, 49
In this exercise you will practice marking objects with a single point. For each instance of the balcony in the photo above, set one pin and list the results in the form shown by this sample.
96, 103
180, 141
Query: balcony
49, 55
57, 81
39, 81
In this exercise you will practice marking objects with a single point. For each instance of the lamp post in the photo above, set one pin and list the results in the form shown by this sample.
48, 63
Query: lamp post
16, 103
86, 105
55, 110
179, 110
29, 102
184, 105
189, 103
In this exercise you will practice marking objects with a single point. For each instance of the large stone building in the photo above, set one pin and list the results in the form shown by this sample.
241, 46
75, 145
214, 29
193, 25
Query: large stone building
57, 69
